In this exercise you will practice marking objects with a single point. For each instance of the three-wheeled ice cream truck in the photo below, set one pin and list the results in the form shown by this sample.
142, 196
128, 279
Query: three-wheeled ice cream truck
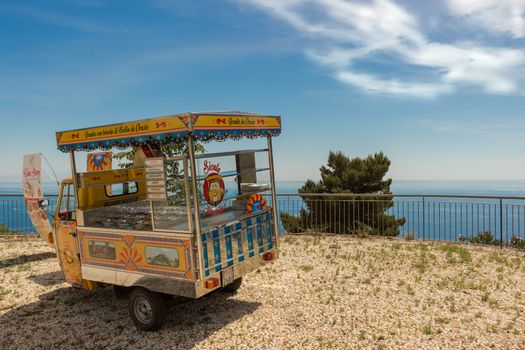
168, 225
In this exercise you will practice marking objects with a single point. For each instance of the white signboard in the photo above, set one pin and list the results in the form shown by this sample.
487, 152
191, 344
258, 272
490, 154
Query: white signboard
32, 187
32, 176
156, 179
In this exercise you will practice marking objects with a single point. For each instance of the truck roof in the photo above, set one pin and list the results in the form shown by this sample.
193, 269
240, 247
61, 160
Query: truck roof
177, 128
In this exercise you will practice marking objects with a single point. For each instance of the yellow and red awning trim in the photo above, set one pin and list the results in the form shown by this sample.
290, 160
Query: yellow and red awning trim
216, 126
219, 127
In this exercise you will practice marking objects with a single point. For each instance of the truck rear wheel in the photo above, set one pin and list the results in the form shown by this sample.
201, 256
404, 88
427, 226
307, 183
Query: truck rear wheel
232, 287
147, 309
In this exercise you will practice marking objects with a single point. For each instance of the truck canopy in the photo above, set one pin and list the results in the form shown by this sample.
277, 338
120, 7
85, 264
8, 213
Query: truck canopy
201, 126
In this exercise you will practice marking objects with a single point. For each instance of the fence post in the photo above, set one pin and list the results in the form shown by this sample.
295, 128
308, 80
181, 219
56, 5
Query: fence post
501, 223
423, 197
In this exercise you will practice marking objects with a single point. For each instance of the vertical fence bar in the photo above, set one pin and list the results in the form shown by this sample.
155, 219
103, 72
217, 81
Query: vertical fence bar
461, 219
353, 214
456, 220
451, 236
418, 219
506, 221
344, 217
477, 211
403, 213
383, 205
339, 214
472, 218
397, 211
519, 222
413, 219
501, 222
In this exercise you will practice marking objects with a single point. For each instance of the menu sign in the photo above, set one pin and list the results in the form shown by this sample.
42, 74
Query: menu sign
156, 179
32, 176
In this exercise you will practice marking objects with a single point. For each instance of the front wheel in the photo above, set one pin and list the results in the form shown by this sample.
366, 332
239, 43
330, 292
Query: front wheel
232, 287
147, 309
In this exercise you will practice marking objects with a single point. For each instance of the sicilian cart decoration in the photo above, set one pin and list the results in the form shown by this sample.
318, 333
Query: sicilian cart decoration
213, 188
99, 161
34, 198
167, 226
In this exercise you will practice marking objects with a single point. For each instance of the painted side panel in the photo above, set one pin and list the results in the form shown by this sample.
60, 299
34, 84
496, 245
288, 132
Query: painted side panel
137, 253
235, 243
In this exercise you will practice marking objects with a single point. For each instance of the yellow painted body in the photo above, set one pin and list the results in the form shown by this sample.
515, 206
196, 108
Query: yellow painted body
67, 252
94, 188
125, 250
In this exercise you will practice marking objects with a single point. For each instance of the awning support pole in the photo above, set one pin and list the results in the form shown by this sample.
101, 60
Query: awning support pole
74, 177
196, 208
274, 196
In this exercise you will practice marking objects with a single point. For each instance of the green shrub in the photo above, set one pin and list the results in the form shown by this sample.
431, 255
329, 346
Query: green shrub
517, 242
292, 224
4, 229
485, 237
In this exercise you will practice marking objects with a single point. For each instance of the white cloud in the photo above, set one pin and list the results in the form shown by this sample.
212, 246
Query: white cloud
358, 40
395, 87
503, 16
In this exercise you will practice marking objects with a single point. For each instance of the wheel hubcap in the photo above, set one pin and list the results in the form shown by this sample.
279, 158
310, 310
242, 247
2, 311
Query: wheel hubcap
143, 310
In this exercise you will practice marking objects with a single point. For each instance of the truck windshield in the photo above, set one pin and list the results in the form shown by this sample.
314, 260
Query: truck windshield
66, 211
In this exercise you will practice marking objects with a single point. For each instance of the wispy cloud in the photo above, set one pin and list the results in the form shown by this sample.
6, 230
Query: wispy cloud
503, 16
379, 46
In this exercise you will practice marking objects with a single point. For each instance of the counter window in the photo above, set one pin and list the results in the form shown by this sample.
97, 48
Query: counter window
125, 205
172, 214
231, 185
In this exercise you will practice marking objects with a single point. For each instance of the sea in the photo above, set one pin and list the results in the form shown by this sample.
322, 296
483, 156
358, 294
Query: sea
438, 218
503, 188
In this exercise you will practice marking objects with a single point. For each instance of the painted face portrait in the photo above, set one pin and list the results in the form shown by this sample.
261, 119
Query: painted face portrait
214, 189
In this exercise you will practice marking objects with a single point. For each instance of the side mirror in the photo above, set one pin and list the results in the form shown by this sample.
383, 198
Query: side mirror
43, 203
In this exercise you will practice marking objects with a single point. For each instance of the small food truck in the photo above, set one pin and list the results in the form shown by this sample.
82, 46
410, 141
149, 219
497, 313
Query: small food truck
168, 225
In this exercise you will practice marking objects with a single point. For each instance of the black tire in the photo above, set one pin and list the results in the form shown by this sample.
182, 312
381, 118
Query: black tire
146, 308
232, 287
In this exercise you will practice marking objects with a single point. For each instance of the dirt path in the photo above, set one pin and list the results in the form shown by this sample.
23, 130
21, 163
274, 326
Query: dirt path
324, 292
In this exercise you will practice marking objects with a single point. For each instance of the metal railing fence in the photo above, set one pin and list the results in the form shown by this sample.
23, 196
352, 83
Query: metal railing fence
475, 219
13, 214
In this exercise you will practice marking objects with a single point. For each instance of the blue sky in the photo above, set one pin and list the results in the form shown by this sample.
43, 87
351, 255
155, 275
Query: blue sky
437, 85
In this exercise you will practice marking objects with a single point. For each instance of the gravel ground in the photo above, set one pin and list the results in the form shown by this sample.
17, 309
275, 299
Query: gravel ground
324, 292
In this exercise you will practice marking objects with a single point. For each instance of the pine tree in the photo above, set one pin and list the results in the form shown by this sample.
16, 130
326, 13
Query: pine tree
348, 214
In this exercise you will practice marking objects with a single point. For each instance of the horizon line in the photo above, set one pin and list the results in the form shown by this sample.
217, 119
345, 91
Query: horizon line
304, 180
